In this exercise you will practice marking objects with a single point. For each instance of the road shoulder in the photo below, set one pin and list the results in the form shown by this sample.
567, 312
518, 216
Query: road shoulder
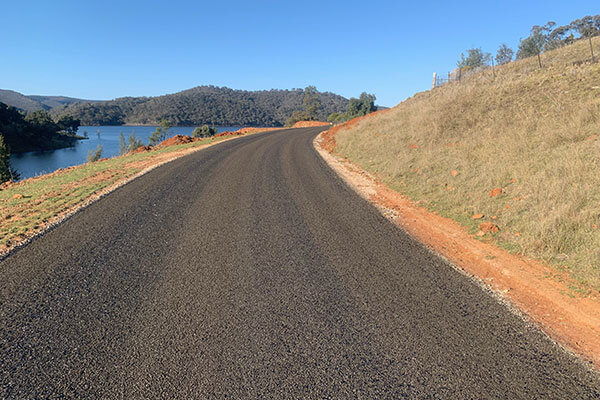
526, 285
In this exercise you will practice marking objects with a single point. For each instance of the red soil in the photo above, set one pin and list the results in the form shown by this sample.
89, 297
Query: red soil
141, 149
540, 291
328, 142
177, 139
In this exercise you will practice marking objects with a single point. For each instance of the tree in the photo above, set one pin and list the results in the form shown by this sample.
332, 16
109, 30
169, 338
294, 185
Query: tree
559, 37
312, 103
68, 124
364, 105
534, 44
133, 142
587, 26
336, 117
297, 116
504, 55
204, 131
475, 58
6, 172
94, 156
161, 133
122, 144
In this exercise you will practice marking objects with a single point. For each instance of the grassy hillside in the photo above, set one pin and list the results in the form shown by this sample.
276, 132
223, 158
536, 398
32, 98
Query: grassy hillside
532, 133
203, 105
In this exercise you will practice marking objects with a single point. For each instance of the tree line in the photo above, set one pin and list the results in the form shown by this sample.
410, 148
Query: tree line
34, 131
204, 105
311, 111
541, 38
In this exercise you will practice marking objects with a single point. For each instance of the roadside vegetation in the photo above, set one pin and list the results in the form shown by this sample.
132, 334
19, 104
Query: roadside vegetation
364, 105
512, 153
29, 206
312, 109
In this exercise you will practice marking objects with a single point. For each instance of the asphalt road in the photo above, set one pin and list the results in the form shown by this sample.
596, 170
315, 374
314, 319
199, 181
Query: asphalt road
249, 270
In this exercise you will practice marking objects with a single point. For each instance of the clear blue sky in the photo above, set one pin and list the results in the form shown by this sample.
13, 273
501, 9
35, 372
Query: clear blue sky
107, 49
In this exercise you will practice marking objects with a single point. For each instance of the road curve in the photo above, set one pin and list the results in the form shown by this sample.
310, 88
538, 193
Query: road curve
249, 270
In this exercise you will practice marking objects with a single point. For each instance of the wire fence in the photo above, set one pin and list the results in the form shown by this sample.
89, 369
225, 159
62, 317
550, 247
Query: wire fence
454, 76
461, 73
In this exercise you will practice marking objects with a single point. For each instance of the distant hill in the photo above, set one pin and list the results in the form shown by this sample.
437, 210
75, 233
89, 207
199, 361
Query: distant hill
34, 103
201, 105
57, 101
19, 101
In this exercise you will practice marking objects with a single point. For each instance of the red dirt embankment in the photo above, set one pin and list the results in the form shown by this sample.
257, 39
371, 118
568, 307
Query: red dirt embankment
328, 137
540, 291
177, 139
309, 124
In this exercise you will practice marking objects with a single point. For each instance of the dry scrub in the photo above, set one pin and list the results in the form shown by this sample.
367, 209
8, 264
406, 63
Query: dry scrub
531, 134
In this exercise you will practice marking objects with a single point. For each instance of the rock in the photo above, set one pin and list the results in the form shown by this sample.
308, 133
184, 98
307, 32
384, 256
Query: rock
488, 227
495, 192
454, 172
477, 216
17, 196
413, 146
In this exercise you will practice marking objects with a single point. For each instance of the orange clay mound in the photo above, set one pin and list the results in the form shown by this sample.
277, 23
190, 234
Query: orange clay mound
141, 149
308, 124
177, 139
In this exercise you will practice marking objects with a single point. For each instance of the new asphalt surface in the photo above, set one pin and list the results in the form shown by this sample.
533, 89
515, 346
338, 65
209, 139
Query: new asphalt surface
250, 270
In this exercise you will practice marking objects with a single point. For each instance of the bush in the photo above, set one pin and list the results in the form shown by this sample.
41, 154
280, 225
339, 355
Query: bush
504, 55
475, 58
94, 156
298, 116
204, 131
161, 133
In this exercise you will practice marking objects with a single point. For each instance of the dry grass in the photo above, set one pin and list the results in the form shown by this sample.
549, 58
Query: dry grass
533, 133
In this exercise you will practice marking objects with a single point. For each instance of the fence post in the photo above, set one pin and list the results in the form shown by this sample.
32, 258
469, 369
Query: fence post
434, 81
459, 73
493, 69
540, 59
592, 50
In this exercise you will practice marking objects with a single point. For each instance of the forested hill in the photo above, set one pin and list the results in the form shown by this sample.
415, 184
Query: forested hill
202, 105
34, 103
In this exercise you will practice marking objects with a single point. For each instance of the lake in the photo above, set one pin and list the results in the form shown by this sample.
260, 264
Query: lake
42, 162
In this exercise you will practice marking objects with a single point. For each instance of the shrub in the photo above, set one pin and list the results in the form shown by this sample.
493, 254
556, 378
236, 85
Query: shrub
94, 156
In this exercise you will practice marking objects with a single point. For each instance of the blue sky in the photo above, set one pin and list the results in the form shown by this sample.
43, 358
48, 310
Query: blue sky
107, 49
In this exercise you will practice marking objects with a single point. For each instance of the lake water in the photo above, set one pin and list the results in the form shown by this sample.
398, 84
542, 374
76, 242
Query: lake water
42, 162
